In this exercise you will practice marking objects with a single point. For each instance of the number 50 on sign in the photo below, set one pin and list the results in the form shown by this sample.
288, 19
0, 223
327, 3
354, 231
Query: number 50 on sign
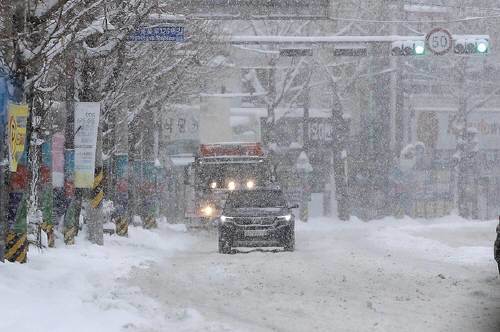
439, 41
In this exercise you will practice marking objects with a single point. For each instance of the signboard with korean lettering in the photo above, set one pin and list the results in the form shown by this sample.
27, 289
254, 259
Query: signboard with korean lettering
486, 124
158, 34
182, 123
86, 126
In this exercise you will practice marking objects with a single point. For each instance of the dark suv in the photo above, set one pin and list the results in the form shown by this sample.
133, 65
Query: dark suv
497, 245
256, 218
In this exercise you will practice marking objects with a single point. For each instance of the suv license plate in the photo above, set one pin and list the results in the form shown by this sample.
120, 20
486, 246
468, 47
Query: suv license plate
257, 232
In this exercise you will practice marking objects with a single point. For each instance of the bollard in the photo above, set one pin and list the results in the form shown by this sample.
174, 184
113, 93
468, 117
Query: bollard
98, 191
17, 247
48, 229
121, 224
150, 222
70, 224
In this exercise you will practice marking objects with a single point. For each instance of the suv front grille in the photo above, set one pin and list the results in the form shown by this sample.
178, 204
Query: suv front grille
244, 221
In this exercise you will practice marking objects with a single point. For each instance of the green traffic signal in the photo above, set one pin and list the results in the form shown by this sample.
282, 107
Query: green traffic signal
419, 48
472, 46
482, 46
408, 47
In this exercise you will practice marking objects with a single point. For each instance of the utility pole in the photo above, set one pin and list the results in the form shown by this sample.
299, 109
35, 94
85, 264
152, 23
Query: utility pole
463, 145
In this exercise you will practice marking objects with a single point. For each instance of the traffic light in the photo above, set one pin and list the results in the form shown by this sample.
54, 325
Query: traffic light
472, 46
408, 47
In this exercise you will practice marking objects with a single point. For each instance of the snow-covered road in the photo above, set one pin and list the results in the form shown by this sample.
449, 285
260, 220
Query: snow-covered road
387, 275
390, 275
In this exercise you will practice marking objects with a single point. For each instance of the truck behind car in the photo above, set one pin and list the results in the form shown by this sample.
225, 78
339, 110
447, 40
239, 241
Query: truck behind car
218, 169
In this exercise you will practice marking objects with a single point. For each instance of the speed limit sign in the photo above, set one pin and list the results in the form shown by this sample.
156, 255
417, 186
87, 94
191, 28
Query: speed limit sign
439, 41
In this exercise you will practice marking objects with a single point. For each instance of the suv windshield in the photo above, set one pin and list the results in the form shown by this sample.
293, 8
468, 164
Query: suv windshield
256, 198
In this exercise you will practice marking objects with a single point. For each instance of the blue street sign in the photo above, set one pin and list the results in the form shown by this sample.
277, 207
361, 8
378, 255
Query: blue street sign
158, 34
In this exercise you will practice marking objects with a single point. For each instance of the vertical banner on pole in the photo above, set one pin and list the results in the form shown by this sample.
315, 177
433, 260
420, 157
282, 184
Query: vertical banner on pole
58, 160
17, 238
86, 127
17, 242
3, 112
3, 168
58, 177
17, 120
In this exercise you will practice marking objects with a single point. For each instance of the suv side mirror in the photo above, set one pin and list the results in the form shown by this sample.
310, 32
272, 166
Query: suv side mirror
295, 206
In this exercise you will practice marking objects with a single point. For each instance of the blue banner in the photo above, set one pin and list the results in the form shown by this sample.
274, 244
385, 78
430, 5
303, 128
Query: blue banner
171, 34
4, 96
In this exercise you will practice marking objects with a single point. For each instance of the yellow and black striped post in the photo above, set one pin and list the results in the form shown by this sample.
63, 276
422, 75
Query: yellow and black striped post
150, 222
69, 235
49, 230
98, 191
121, 224
17, 247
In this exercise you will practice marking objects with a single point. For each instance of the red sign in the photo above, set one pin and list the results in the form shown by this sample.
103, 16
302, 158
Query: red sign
226, 150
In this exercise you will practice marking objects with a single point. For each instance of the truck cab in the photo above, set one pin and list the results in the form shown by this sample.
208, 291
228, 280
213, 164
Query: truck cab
219, 169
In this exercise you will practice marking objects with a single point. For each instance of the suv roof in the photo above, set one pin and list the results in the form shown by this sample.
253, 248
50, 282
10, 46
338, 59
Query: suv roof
260, 198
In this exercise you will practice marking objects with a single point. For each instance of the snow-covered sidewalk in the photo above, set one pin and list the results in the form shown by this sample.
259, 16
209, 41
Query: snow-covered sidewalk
82, 287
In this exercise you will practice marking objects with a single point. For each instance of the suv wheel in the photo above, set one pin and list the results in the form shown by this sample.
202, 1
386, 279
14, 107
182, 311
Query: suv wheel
225, 242
289, 238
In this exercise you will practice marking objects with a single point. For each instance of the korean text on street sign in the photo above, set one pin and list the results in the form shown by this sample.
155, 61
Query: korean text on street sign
86, 126
17, 119
153, 34
296, 52
439, 41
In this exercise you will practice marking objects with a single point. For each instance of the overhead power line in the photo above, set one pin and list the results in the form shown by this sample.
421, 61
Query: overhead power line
467, 19
411, 3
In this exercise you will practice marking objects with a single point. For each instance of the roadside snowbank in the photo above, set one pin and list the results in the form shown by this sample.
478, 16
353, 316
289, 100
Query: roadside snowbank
449, 239
82, 288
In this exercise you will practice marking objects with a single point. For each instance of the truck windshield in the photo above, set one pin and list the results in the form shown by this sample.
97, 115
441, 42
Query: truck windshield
256, 199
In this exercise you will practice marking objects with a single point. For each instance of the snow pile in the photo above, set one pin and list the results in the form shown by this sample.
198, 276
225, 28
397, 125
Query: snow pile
83, 287
449, 239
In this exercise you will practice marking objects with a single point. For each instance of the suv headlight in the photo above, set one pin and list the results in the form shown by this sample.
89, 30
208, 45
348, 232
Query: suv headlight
208, 211
287, 217
224, 218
